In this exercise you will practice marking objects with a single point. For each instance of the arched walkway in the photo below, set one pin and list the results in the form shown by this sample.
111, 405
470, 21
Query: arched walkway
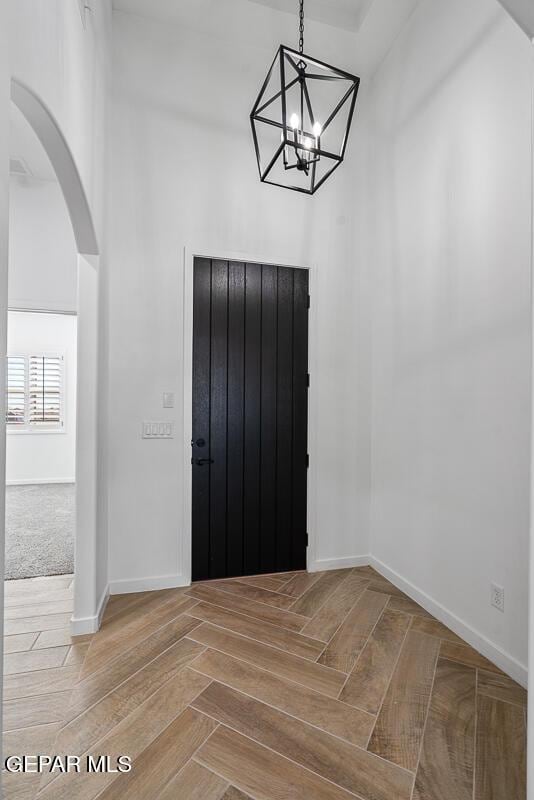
86, 603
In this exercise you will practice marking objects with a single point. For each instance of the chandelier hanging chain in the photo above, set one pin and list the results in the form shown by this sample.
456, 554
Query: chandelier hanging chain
301, 27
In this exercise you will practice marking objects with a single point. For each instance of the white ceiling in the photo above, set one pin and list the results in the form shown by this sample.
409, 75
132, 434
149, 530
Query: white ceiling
26, 147
345, 14
365, 28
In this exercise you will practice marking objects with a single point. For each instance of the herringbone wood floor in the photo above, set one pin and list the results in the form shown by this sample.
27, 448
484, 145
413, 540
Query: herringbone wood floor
328, 686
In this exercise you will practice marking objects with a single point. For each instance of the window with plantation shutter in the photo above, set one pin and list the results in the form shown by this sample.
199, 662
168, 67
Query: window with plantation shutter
35, 392
16, 391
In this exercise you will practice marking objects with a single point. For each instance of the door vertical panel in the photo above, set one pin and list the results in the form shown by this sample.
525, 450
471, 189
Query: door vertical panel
219, 416
268, 533
284, 419
300, 418
252, 420
236, 333
201, 416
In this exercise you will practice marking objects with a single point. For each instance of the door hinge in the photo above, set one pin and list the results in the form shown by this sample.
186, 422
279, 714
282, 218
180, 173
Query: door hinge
309, 301
308, 380
307, 540
307, 460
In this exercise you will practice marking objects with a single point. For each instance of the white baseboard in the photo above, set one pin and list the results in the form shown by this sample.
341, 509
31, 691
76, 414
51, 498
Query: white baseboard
324, 564
148, 584
82, 625
39, 481
506, 662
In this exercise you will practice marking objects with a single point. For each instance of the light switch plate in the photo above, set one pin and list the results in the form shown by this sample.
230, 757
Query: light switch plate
158, 430
168, 399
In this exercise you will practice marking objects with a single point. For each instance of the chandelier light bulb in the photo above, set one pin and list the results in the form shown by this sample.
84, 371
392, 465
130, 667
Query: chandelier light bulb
317, 129
294, 121
307, 142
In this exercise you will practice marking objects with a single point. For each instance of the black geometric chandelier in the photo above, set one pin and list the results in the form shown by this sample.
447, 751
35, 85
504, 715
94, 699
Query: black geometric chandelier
301, 118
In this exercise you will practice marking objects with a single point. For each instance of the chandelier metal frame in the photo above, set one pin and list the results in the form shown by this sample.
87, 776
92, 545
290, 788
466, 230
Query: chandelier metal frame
300, 149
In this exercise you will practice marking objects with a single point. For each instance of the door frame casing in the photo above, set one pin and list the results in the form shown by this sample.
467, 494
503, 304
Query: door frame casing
219, 254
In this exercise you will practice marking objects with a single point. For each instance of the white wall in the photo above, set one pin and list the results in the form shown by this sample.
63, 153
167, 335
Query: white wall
44, 457
184, 174
42, 250
450, 187
4, 234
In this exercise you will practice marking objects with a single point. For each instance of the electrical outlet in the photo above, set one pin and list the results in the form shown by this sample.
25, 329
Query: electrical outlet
497, 597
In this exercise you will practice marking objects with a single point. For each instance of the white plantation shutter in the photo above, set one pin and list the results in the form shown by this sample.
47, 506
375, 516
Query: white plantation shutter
35, 392
16, 390
45, 384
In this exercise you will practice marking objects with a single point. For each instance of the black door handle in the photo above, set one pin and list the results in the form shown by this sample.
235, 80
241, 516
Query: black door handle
201, 461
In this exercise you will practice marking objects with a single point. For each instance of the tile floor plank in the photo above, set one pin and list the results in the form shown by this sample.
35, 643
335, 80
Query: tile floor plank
352, 768
121, 603
467, 655
330, 616
59, 637
36, 624
314, 676
83, 732
330, 715
380, 584
500, 769
91, 689
131, 736
351, 637
43, 681
235, 794
163, 758
300, 583
501, 687
309, 603
19, 642
76, 655
266, 582
400, 724
122, 633
194, 782
434, 628
38, 609
289, 641
260, 611
29, 711
33, 660
27, 586
26, 741
255, 593
446, 767
369, 680
262, 774
31, 597
408, 606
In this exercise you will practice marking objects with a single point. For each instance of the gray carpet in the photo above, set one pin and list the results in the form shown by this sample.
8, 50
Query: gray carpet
40, 522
